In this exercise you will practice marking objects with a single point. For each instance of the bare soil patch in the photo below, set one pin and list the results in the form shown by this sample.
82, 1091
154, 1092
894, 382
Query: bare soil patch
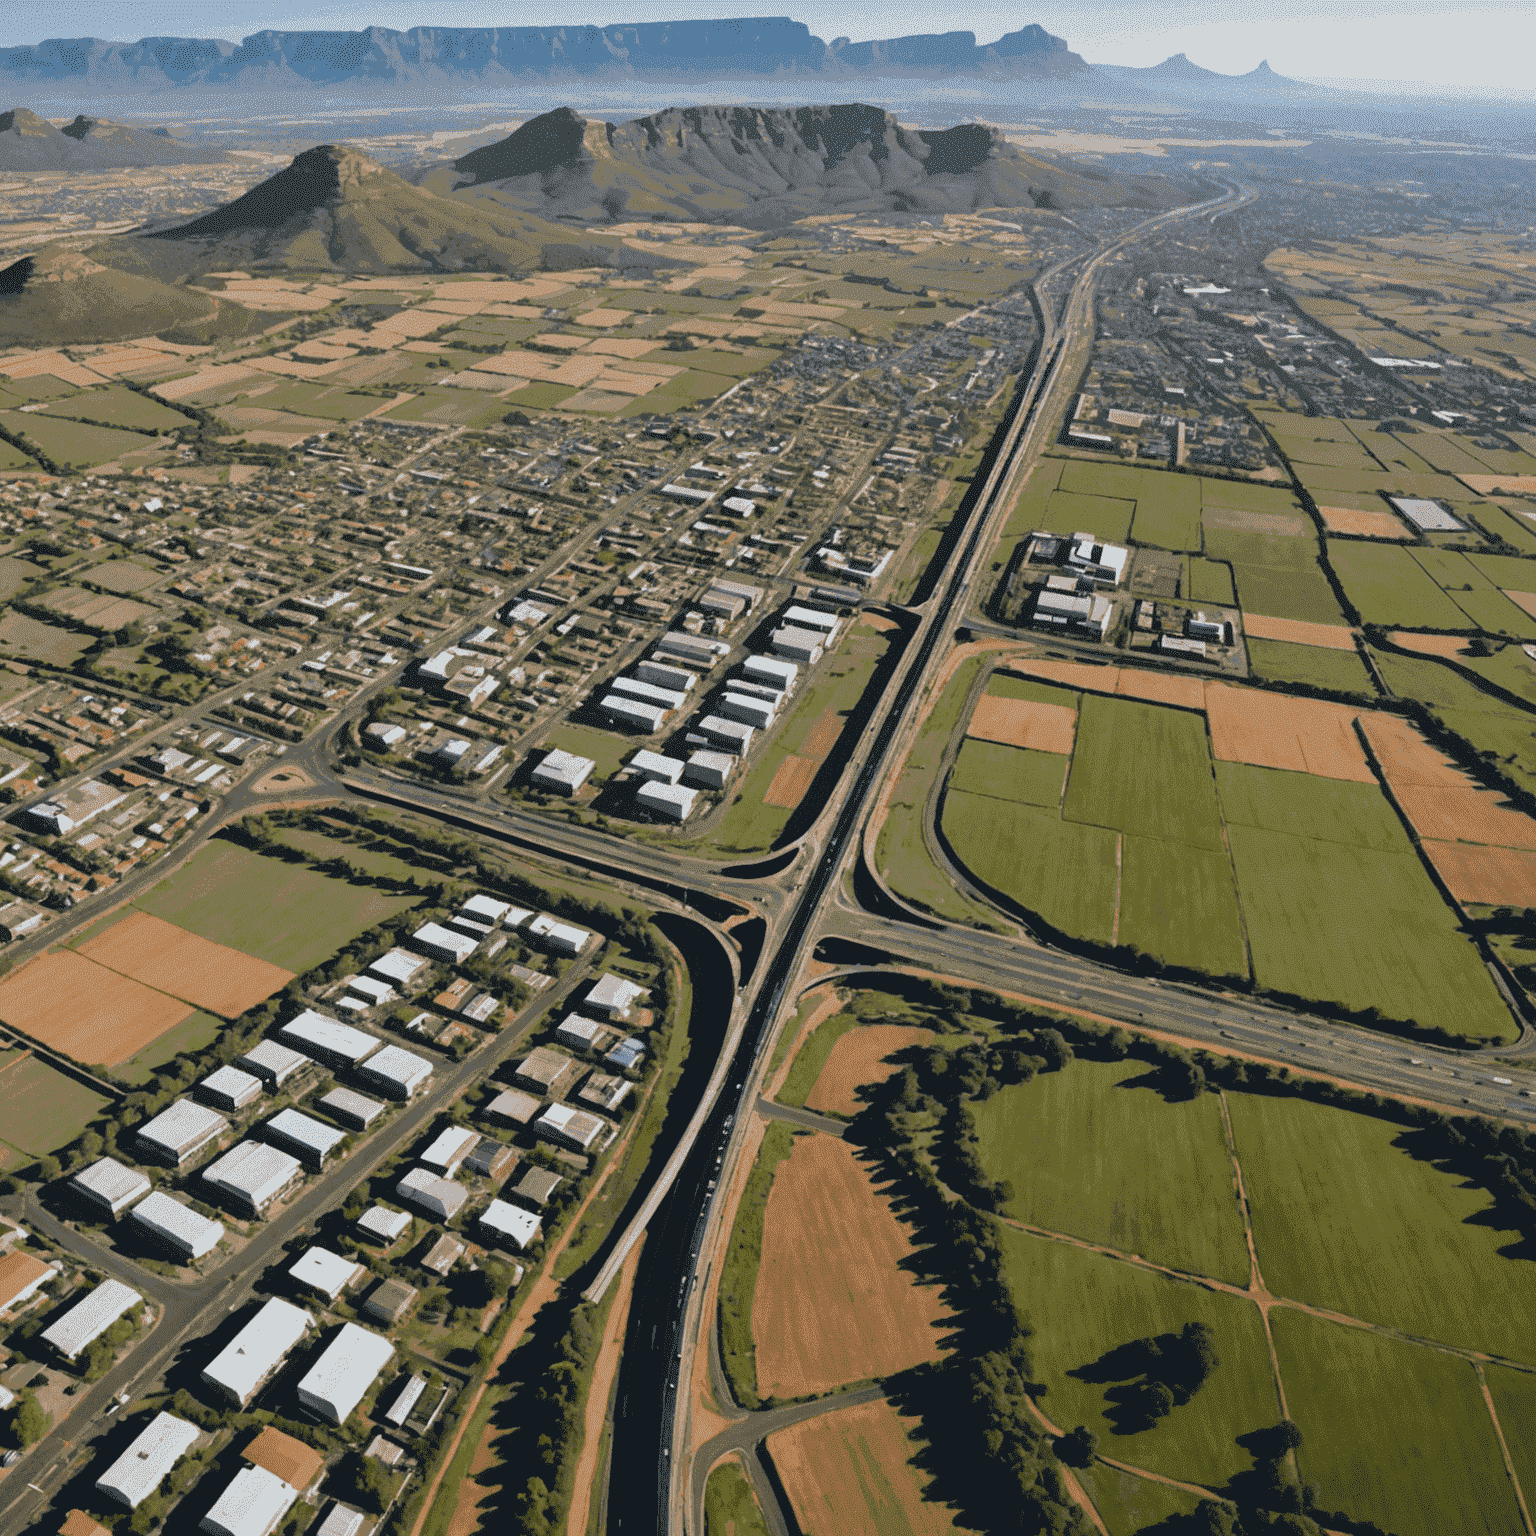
823, 734
793, 779
1470, 814
832, 1303
1161, 688
1510, 485
1377, 523
84, 1010
212, 976
282, 779
1270, 730
1070, 674
1525, 600
1497, 876
1024, 723
1281, 524
1405, 756
1332, 637
879, 621
1430, 645
851, 1471
858, 1059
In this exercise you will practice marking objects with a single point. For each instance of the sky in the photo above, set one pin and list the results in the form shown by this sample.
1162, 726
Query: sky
1479, 44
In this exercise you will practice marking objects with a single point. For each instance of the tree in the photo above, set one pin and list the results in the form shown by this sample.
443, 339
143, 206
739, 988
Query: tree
369, 1481
1054, 1048
1078, 1448
1285, 1436
28, 1421
1156, 1401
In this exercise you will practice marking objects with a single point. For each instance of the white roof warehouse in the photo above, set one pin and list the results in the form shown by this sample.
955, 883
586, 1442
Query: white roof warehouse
176, 1225
329, 1039
86, 1321
341, 1377
254, 1353
138, 1471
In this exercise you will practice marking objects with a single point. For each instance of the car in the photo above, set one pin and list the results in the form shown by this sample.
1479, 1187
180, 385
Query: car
1504, 1082
10, 1458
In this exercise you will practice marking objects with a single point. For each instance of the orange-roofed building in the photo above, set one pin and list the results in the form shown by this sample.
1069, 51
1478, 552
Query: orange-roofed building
299, 1465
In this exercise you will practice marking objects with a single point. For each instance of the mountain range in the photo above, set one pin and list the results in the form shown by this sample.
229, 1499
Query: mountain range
31, 143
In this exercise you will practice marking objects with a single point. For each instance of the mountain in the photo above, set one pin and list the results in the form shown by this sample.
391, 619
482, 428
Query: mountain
31, 143
1178, 76
762, 167
57, 296
334, 209
378, 57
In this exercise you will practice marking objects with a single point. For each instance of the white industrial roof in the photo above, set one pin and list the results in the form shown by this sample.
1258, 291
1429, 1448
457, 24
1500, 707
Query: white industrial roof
510, 1221
251, 1505
294, 1126
343, 1101
88, 1319
383, 1222
232, 1084
771, 666
341, 1521
564, 767
327, 1272
273, 1057
137, 1472
398, 966
441, 1196
179, 1223
256, 1351
613, 993
656, 766
810, 618
574, 1027
252, 1171
329, 1036
112, 1181
667, 796
338, 1379
395, 1064
486, 909
574, 1123
410, 1394
181, 1125
545, 926
434, 936
449, 1147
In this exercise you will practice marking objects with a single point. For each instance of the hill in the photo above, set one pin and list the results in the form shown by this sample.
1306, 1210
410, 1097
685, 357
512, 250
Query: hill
1181, 78
31, 143
332, 209
763, 167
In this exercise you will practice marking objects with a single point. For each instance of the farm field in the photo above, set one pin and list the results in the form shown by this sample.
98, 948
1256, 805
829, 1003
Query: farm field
1346, 1219
1424, 589
1395, 1433
32, 640
1091, 1154
832, 1305
856, 1060
1514, 1400
1010, 773
1281, 661
117, 406
41, 1109
285, 914
1274, 558
851, 1471
192, 1034
72, 444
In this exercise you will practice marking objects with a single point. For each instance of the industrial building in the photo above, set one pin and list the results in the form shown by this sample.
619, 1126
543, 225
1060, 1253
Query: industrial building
569, 1127
341, 1377
673, 802
825, 624
1069, 604
628, 1053
796, 644
142, 1467
308, 1139
612, 996
563, 773
772, 671
605, 1091
300, 1466
273, 1063
335, 1043
397, 1072
88, 1319
648, 693
438, 1197
487, 909
563, 938
577, 1033
248, 1361
180, 1132
634, 714
733, 735
229, 1089
711, 769
443, 1251
537, 1186
510, 1223
748, 709
22, 1276
444, 944
383, 1224
448, 1149
513, 1107
544, 1070
108, 1185
389, 1301
354, 1109
653, 766
691, 650
253, 1504
1103, 563
329, 1274
403, 1406
489, 1158
678, 679
252, 1175
177, 1226
398, 968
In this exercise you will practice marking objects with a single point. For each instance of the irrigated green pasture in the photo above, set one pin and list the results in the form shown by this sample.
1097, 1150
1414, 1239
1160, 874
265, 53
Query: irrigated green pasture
1178, 904
1092, 1154
1129, 1505
41, 1109
1330, 810
1397, 588
1283, 661
1010, 773
116, 406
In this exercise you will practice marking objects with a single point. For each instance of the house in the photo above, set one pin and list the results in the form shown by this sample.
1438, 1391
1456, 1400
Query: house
562, 938
342, 1521
177, 1226
308, 1139
229, 1089
544, 1070
252, 1175
569, 1127
612, 996
438, 1197
87, 1320
141, 1468
22, 1276
109, 1186
510, 1224
274, 1064
249, 1360
78, 1523
389, 1301
17, 919
341, 1377
328, 1274
397, 1072
180, 1132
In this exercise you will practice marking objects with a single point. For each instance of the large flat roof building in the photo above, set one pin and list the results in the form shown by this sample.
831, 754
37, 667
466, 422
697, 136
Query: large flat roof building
252, 1175
180, 1132
513, 1107
139, 1470
272, 1062
444, 944
87, 1320
299, 1465
674, 802
438, 1197
510, 1223
327, 1273
634, 714
308, 1139
569, 1127
797, 644
544, 1070
652, 765
612, 996
177, 1226
773, 671
731, 735
355, 1109
110, 1186
398, 967
341, 1377
382, 1224
253, 1504
229, 1088
332, 1041
448, 1149
398, 1072
563, 938
711, 769
247, 1362
22, 1276
561, 771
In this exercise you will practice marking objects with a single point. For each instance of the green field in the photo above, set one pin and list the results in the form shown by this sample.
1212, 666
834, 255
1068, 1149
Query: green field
1211, 582
1082, 1305
1010, 773
1395, 1433
812, 1057
730, 1506
1343, 1219
1391, 588
1330, 810
1128, 1505
283, 913
1514, 1400
1282, 661
1178, 904
192, 1034
41, 1109
118, 407
1091, 1154
33, 640
12, 457
1274, 561
70, 444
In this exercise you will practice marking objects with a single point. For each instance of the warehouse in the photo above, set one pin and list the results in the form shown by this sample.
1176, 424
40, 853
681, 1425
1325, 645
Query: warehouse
22, 1276
627, 1053
248, 1361
612, 996
513, 1107
177, 1226
382, 1224
568, 1127
389, 1301
300, 1466
337, 1044
563, 938
443, 1252
648, 693
562, 772
229, 1089
509, 1223
711, 769
603, 1090
538, 1186
329, 1274
252, 1175
487, 909
87, 1320
252, 1505
397, 1072
672, 802
310, 1140
693, 650
544, 1070
732, 735
489, 1158
448, 1149
341, 1521
274, 1064
633, 713
749, 710
771, 671
107, 1185
444, 944
410, 1394
652, 765
398, 967
441, 1198
353, 1109
579, 1034
180, 1132
824, 624
373, 992
679, 679
802, 645
1102, 563
139, 1470
341, 1377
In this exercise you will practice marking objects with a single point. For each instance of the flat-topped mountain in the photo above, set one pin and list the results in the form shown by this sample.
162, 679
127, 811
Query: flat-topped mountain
31, 143
763, 167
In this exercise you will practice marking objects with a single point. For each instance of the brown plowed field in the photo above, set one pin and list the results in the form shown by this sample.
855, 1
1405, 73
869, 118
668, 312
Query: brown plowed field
1488, 485
1024, 723
1375, 524
1430, 645
1070, 674
1271, 730
857, 1059
1525, 600
832, 1303
1160, 688
1497, 876
850, 1472
791, 781
823, 734
212, 976
1405, 756
84, 1010
1470, 814
1333, 637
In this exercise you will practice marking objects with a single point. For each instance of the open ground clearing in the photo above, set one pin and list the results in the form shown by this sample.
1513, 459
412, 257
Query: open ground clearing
168, 958
1092, 1154
858, 1059
1127, 1504
832, 1303
850, 1471
41, 1109
193, 1034
730, 1506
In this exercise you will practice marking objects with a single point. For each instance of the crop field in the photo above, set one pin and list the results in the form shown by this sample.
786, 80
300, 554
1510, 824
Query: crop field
1337, 670
116, 406
851, 1471
1424, 589
1096, 1152
1345, 1218
12, 457
1083, 1305
122, 576
41, 1109
193, 1034
71, 444
285, 914
33, 640
832, 1304
1178, 904
1010, 773
1514, 1400
1274, 560
1394, 1433
1024, 723
210, 976
858, 1058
